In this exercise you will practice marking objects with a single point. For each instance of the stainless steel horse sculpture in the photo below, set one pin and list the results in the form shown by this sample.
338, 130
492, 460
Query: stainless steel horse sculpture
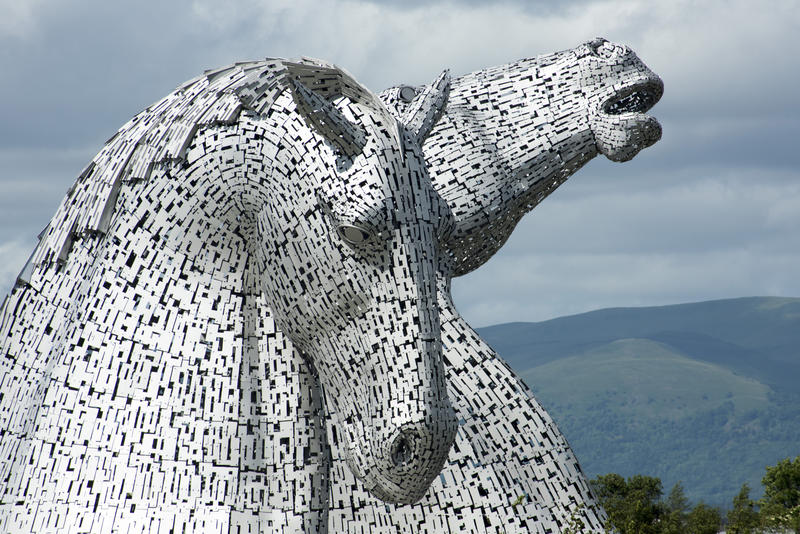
239, 319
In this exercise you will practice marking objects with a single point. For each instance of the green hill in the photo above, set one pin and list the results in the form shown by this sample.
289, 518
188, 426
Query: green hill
703, 393
758, 336
650, 381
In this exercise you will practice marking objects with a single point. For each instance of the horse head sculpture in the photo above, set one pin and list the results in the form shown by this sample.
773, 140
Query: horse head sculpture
248, 289
511, 134
361, 239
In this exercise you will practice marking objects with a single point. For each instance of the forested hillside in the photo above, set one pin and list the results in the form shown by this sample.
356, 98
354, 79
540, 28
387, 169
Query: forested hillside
705, 393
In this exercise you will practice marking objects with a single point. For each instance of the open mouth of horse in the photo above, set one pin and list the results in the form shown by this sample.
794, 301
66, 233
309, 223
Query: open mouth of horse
621, 126
635, 98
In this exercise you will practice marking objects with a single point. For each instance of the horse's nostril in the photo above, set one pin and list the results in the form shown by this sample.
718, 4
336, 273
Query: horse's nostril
403, 449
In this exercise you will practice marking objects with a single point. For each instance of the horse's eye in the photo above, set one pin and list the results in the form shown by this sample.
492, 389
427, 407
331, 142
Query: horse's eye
352, 234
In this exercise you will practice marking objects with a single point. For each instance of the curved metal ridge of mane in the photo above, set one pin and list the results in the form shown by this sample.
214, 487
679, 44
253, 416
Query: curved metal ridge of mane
161, 133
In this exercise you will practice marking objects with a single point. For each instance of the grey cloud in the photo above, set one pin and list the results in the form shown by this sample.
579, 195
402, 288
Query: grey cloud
599, 241
85, 66
32, 184
532, 8
728, 141
710, 211
14, 254
563, 284
717, 209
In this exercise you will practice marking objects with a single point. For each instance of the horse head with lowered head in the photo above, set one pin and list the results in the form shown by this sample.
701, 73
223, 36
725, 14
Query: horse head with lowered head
286, 183
359, 236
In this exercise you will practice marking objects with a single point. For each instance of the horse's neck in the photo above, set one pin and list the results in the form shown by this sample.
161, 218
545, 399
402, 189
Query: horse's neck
157, 333
500, 148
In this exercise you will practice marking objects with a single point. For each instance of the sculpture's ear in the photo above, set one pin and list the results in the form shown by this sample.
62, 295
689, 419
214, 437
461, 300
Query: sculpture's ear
422, 114
328, 121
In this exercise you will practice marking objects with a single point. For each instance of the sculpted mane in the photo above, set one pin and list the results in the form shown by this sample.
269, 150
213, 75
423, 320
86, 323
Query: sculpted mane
158, 137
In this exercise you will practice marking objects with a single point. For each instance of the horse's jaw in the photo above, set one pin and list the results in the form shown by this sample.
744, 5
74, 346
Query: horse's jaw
618, 110
395, 424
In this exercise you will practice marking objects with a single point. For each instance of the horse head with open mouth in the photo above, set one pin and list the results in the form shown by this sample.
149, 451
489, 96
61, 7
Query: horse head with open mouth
512, 134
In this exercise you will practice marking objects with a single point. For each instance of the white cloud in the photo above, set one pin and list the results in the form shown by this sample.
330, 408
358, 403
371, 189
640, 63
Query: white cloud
19, 19
385, 44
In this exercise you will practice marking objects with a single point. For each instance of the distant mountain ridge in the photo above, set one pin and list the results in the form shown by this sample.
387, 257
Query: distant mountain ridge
759, 336
706, 393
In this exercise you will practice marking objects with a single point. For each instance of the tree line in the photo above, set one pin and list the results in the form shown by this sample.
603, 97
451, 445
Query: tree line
636, 505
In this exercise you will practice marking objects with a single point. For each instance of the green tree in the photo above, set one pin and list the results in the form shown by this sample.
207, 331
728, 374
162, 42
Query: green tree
611, 490
780, 507
633, 505
676, 509
743, 517
703, 519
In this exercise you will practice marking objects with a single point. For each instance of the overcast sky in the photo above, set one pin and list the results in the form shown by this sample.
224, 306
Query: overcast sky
711, 211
